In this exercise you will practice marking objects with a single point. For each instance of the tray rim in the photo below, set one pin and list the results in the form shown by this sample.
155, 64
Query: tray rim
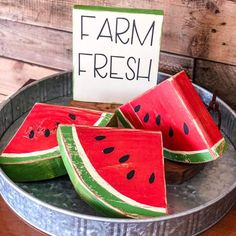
113, 220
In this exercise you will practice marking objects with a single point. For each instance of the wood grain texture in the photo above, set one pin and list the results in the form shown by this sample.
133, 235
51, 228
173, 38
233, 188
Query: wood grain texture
225, 227
107, 107
14, 74
53, 48
172, 64
39, 45
12, 225
2, 97
178, 173
202, 28
217, 77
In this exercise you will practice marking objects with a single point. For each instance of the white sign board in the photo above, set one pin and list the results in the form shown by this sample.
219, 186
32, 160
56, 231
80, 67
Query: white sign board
115, 52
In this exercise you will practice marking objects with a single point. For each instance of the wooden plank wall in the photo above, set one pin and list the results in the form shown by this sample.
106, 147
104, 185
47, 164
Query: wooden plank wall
192, 28
14, 74
196, 35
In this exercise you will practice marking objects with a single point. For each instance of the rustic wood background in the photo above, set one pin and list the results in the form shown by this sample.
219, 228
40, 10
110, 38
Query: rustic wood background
198, 36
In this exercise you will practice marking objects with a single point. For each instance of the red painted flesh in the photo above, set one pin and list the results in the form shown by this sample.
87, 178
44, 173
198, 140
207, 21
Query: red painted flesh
177, 102
42, 117
145, 157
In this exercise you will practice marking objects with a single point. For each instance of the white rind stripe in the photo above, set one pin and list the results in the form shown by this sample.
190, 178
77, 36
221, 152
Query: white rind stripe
186, 152
97, 123
194, 152
103, 183
31, 154
197, 123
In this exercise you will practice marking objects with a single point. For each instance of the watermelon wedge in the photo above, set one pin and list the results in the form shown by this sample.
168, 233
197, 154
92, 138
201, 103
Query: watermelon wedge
174, 108
33, 153
120, 172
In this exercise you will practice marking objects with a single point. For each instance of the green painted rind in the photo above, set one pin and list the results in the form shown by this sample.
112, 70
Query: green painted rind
122, 119
220, 148
121, 10
38, 170
41, 167
108, 120
93, 193
194, 158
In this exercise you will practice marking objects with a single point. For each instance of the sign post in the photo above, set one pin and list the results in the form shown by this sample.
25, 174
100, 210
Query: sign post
115, 52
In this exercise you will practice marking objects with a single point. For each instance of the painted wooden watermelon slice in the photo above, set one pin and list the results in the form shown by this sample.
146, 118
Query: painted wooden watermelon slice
120, 172
174, 108
33, 152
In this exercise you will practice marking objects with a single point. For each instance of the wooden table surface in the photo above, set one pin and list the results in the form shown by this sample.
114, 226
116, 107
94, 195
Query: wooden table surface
13, 75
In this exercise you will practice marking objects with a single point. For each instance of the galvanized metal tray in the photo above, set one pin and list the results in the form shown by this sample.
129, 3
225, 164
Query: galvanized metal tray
54, 207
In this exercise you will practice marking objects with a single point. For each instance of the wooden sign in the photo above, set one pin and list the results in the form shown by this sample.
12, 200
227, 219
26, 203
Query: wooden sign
115, 52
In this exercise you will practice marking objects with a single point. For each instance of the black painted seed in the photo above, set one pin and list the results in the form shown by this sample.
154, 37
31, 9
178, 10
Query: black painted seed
146, 118
108, 150
137, 108
47, 133
31, 134
72, 116
124, 159
130, 175
100, 137
171, 132
158, 120
152, 178
186, 129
